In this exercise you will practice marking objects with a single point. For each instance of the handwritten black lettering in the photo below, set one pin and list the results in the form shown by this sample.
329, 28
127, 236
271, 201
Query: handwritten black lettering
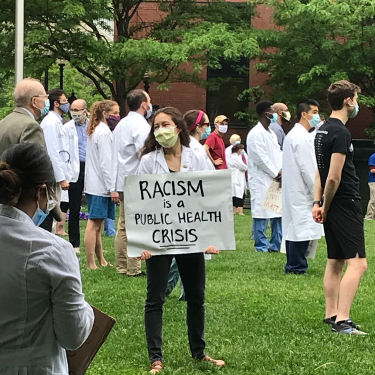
192, 233
143, 186
153, 236
169, 188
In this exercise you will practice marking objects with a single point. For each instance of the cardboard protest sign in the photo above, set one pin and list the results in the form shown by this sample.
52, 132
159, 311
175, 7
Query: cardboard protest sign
178, 213
272, 199
310, 252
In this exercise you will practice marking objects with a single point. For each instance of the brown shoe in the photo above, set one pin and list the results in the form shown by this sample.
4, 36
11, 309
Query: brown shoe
156, 367
216, 362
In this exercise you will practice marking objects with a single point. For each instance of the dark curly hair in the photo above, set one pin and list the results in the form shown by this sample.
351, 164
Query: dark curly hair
151, 144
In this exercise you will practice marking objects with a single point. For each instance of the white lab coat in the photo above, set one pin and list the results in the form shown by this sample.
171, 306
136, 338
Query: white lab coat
299, 166
238, 169
154, 162
59, 147
264, 163
98, 166
197, 147
43, 310
228, 153
73, 149
128, 138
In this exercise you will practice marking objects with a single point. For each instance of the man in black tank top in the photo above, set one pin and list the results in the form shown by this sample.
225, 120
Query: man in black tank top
337, 205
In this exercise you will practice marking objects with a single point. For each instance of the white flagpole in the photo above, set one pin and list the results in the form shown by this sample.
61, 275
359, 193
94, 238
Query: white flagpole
19, 32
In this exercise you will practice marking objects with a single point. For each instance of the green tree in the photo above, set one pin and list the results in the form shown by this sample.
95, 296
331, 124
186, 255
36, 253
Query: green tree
182, 38
317, 42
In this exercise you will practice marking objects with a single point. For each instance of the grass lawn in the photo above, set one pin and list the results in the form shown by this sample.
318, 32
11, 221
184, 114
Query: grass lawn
258, 320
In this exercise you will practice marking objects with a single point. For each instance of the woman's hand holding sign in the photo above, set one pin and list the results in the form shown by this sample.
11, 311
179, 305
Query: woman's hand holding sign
145, 255
211, 250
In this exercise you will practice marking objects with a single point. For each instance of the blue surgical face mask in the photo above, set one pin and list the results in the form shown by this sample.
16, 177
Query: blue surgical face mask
40, 215
237, 142
355, 111
275, 116
149, 111
45, 109
64, 108
206, 133
314, 121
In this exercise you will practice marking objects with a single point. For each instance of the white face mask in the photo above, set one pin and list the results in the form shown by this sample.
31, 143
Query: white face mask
222, 128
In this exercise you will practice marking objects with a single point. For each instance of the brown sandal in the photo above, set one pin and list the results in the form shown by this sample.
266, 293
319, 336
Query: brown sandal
216, 362
156, 367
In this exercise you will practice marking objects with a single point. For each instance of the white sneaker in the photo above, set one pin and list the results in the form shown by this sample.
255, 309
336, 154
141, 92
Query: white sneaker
76, 250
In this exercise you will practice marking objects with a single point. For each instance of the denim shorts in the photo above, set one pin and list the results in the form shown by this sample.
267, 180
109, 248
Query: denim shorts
100, 207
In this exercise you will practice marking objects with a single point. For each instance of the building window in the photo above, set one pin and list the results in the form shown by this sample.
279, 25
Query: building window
222, 99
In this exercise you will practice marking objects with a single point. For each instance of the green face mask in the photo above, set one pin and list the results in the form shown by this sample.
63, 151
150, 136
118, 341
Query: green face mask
166, 137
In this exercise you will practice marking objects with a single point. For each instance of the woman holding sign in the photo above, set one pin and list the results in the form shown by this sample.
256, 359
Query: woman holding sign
167, 150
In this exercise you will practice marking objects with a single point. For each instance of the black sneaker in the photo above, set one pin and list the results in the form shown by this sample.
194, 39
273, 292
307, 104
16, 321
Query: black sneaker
347, 327
331, 320
141, 274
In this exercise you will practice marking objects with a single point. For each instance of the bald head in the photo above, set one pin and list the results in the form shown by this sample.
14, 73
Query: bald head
78, 111
78, 105
280, 107
25, 91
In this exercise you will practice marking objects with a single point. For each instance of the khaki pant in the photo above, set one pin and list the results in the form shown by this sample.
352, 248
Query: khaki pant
370, 215
130, 266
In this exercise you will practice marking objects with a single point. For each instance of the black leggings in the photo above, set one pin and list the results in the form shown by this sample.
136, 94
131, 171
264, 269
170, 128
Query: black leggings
192, 271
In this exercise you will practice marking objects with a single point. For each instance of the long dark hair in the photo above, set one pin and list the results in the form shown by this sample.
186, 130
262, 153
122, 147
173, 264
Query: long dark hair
176, 116
22, 168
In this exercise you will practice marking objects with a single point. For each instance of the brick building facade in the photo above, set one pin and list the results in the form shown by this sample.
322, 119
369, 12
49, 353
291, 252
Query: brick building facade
187, 96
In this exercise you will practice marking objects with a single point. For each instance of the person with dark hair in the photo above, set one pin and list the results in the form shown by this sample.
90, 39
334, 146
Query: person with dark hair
337, 205
129, 138
238, 170
214, 145
279, 117
64, 158
167, 151
264, 163
199, 128
43, 310
299, 166
98, 178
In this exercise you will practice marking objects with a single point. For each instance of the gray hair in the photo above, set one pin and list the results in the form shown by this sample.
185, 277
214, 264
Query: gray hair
25, 91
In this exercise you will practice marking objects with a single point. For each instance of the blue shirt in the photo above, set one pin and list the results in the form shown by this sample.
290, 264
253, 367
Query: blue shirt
278, 130
82, 139
371, 161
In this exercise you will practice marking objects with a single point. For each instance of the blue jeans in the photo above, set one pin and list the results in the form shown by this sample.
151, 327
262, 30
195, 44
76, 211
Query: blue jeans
109, 227
260, 239
173, 278
296, 261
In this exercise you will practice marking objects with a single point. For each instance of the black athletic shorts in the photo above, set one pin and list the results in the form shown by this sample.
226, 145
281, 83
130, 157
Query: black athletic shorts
344, 229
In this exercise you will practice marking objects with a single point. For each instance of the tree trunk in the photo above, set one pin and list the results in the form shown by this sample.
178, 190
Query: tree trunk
121, 95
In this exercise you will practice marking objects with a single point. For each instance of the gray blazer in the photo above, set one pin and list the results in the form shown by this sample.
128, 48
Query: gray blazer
19, 127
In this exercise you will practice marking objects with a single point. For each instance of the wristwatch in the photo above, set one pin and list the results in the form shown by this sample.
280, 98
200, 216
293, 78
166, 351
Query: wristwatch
316, 202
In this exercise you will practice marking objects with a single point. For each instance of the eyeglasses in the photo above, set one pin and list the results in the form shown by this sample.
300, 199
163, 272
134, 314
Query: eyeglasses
77, 110
206, 124
41, 96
